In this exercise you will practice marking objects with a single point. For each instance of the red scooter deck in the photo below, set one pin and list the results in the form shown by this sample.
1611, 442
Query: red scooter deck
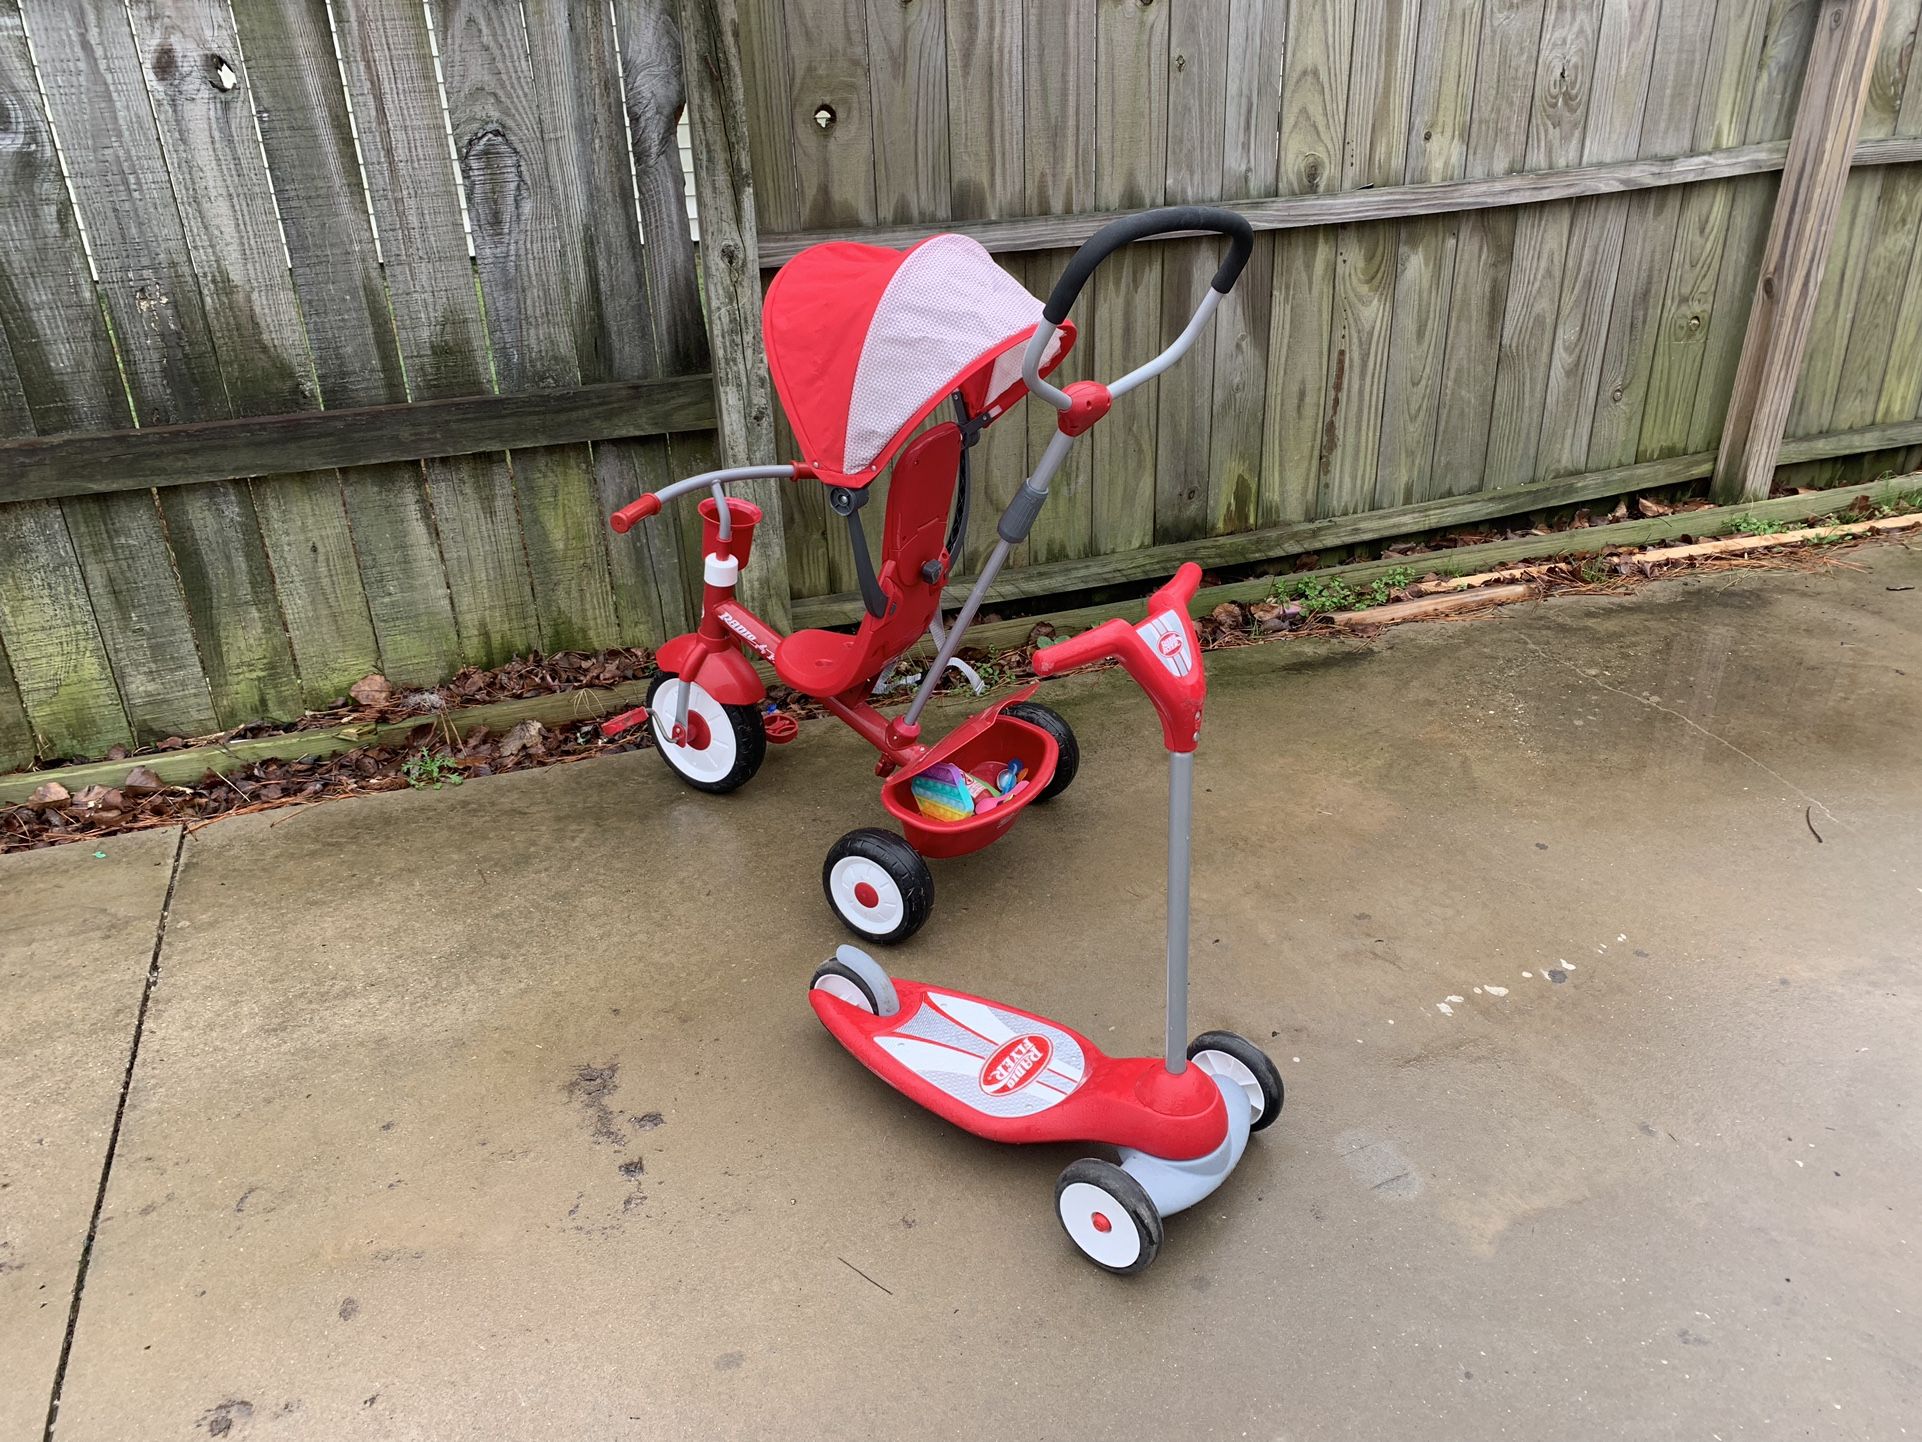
1011, 1076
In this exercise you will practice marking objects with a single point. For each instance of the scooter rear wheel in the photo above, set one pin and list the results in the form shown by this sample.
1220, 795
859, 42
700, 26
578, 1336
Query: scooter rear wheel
725, 745
1234, 1058
878, 885
1108, 1215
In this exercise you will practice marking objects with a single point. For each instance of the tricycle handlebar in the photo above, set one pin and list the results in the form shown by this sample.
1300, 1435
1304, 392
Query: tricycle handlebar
650, 504
1169, 220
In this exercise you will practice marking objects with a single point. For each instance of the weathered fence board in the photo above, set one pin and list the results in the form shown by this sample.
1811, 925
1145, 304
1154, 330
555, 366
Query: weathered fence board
258, 446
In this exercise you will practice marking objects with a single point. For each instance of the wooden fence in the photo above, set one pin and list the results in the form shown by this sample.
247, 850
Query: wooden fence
213, 422
330, 329
1507, 243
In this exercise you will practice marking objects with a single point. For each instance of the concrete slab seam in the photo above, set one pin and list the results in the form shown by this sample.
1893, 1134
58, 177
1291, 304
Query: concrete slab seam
113, 1138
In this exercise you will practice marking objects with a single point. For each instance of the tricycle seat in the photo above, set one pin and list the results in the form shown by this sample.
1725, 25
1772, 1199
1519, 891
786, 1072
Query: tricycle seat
914, 567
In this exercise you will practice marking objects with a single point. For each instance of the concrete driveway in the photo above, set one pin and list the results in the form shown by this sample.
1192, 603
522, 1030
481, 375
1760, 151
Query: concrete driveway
499, 1112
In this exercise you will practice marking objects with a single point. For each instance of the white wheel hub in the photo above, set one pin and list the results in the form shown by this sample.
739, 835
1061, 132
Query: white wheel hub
1098, 1224
711, 762
865, 896
840, 986
1221, 1065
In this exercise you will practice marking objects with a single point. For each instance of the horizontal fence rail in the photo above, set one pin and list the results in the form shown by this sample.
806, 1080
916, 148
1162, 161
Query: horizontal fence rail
1388, 202
49, 467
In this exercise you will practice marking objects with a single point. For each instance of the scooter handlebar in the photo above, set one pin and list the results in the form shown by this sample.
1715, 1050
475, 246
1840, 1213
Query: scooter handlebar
1162, 653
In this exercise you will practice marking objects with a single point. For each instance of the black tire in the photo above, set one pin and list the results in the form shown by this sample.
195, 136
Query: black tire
871, 984
1122, 1203
834, 969
887, 866
748, 734
1056, 725
1263, 1072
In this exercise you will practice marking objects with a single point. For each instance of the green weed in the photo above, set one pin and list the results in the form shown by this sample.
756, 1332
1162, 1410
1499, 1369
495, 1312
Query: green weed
427, 768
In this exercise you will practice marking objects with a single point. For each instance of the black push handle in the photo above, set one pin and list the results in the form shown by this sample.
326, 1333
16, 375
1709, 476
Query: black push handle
1168, 220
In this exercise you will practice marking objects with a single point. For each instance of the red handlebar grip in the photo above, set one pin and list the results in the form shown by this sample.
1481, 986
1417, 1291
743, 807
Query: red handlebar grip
1103, 641
623, 520
1180, 589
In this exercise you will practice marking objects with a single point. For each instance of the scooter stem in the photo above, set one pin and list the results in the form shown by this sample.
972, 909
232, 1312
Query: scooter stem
1181, 804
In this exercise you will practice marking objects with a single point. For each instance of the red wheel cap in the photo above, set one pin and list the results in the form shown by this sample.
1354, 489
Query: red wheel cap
1101, 1223
866, 895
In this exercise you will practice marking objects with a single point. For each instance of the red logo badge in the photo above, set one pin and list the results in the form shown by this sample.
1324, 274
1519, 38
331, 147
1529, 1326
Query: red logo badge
1015, 1063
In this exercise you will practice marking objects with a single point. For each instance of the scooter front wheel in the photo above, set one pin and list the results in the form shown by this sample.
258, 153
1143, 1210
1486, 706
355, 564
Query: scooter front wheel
858, 979
722, 747
1108, 1215
1234, 1058
878, 885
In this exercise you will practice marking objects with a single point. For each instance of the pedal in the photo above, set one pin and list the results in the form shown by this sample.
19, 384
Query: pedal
626, 721
780, 727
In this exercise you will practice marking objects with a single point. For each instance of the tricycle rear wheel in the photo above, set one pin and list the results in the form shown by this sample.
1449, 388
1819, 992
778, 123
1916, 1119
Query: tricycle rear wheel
1068, 761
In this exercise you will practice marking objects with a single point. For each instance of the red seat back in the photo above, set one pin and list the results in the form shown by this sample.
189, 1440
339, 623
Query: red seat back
920, 495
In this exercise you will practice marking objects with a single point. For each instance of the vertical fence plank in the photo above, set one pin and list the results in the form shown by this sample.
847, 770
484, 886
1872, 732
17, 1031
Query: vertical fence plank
302, 111
1197, 133
638, 313
1564, 88
1624, 56
57, 692
908, 93
203, 104
1381, 76
1131, 168
1058, 144
1681, 344
1826, 122
1314, 112
1443, 90
1785, 45
97, 96
1901, 395
522, 205
1852, 333
987, 119
1485, 246
731, 270
1682, 37
57, 372
411, 182
1242, 326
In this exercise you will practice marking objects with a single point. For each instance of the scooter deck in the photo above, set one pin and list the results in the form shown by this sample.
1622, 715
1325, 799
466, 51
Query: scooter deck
1011, 1076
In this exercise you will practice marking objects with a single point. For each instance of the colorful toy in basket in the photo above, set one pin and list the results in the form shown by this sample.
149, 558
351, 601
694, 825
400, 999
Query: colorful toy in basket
865, 344
944, 792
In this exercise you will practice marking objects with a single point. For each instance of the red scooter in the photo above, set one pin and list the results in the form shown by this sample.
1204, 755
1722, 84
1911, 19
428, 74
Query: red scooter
865, 344
1181, 1121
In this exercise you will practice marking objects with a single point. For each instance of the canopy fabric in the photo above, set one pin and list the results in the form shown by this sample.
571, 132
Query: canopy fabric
864, 342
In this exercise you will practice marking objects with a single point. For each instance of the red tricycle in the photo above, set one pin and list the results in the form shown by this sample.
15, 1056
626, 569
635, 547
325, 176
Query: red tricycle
865, 344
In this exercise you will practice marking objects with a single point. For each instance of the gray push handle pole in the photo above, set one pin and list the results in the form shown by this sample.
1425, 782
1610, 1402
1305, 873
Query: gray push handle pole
1181, 805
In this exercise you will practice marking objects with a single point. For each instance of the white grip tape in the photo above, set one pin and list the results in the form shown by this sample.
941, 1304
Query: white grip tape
721, 571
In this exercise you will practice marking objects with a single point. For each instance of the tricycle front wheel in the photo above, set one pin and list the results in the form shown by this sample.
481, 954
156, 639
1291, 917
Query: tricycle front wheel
723, 746
878, 885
